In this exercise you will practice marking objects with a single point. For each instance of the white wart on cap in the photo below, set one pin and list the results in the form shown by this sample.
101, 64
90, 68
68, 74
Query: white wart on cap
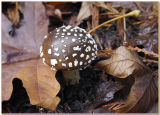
68, 48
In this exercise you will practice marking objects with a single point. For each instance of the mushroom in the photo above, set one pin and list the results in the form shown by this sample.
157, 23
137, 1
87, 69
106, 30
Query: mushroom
68, 49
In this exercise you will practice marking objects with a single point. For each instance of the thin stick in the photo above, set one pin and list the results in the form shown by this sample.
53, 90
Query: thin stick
151, 53
150, 61
124, 26
133, 13
109, 51
98, 41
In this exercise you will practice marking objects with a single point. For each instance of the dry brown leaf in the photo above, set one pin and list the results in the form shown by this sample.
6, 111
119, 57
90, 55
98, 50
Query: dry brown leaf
143, 94
122, 63
95, 16
12, 55
13, 14
85, 11
8, 71
144, 90
111, 10
41, 85
38, 80
25, 46
29, 36
107, 6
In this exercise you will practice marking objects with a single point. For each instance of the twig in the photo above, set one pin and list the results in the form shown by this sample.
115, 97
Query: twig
144, 51
95, 22
95, 35
108, 51
133, 13
98, 41
89, 25
150, 61
124, 26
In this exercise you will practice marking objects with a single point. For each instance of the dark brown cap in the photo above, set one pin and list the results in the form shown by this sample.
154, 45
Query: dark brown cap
68, 48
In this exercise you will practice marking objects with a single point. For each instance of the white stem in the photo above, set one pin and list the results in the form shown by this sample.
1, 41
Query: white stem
71, 77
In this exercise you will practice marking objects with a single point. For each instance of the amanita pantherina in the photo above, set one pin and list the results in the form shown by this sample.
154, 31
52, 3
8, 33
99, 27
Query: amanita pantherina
68, 49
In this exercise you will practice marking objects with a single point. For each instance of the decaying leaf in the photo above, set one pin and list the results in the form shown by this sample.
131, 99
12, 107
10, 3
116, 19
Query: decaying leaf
122, 63
144, 90
36, 78
8, 71
84, 12
12, 55
107, 6
30, 36
20, 54
13, 14
41, 85
95, 16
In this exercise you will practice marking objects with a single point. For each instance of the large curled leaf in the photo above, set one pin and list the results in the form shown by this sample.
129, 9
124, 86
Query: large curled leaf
38, 80
122, 63
144, 90
40, 83
8, 71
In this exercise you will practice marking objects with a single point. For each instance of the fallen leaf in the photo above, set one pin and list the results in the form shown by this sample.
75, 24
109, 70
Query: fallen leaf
122, 63
143, 93
11, 54
8, 71
23, 49
13, 14
22, 46
30, 35
40, 83
107, 6
95, 16
85, 11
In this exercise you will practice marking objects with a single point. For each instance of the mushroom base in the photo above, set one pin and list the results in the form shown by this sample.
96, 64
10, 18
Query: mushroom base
71, 77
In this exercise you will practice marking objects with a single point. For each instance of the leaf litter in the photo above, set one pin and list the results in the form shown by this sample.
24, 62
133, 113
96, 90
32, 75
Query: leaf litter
103, 85
124, 63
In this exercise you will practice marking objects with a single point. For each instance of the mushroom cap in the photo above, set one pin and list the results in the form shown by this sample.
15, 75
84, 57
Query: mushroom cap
68, 48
